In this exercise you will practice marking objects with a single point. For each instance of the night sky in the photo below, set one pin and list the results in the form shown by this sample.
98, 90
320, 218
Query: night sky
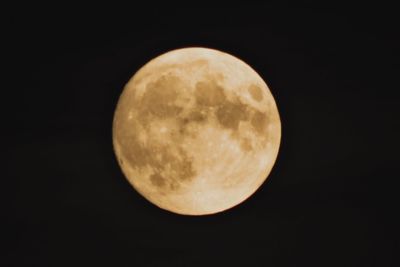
331, 199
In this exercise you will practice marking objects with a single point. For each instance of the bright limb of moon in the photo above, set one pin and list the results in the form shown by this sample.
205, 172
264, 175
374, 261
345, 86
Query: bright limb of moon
196, 131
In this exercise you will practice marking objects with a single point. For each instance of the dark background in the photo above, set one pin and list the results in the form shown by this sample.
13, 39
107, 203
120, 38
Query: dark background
329, 201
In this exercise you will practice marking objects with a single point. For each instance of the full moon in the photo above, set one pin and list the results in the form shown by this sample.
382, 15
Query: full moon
196, 131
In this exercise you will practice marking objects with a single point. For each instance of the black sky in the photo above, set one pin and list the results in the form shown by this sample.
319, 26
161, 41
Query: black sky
329, 201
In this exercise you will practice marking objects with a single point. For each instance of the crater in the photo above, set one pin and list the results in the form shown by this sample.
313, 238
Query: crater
230, 114
209, 93
195, 116
176, 167
180, 168
259, 121
157, 180
173, 186
160, 96
186, 171
255, 92
134, 151
245, 145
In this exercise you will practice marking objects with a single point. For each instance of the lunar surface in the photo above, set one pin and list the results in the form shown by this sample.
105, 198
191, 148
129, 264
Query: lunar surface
196, 131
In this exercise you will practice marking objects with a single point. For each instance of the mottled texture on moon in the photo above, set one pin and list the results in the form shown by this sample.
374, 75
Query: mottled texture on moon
196, 131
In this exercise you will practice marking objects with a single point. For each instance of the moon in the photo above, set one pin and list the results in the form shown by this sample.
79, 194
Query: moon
196, 131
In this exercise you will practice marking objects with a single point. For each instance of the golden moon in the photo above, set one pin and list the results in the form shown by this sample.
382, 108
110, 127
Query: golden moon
196, 131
